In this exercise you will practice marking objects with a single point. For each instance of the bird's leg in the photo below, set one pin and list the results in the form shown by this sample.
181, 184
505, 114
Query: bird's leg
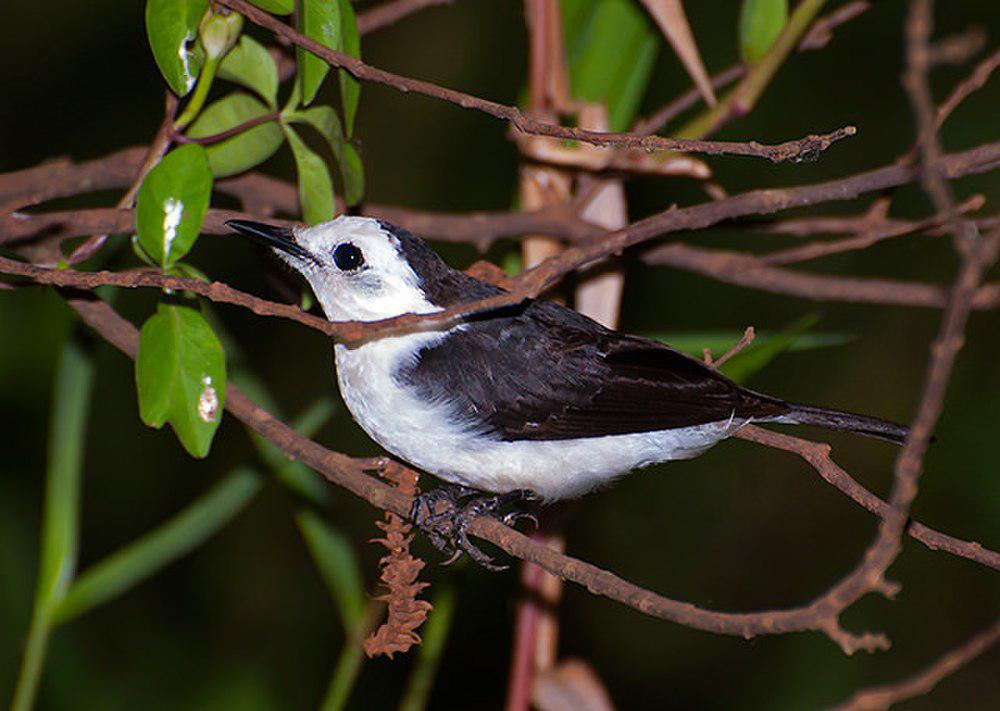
447, 528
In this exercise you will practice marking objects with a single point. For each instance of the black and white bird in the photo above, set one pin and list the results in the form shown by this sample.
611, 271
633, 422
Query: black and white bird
535, 398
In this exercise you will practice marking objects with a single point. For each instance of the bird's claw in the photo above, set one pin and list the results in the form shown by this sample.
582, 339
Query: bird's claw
447, 526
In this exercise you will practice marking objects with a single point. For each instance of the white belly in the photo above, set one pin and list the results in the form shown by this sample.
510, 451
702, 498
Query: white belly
424, 434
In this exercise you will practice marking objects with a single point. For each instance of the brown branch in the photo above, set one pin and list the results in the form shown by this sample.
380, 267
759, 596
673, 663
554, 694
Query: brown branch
817, 455
924, 681
866, 236
820, 32
745, 340
229, 132
788, 151
158, 147
349, 474
392, 11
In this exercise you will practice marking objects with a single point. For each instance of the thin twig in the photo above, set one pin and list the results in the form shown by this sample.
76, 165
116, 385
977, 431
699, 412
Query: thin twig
388, 13
924, 681
788, 151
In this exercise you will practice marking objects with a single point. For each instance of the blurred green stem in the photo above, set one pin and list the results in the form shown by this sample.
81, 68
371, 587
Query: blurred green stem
345, 673
60, 520
435, 635
200, 94
744, 96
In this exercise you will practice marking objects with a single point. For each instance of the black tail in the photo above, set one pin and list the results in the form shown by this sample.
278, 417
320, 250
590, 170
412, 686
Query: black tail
848, 421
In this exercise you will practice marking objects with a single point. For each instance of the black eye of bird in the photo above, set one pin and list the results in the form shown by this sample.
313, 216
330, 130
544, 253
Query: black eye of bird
348, 257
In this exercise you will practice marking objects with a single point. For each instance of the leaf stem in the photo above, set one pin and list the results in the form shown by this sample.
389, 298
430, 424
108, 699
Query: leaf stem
60, 529
435, 635
201, 90
744, 96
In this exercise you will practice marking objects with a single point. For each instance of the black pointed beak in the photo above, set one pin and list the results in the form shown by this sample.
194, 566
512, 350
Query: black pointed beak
280, 238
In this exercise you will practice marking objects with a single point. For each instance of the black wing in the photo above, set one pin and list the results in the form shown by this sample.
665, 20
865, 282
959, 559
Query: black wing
545, 372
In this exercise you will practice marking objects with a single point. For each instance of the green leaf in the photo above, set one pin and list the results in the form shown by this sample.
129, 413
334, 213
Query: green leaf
319, 20
249, 64
67, 437
145, 556
244, 150
170, 25
171, 204
60, 519
434, 636
180, 373
611, 46
325, 121
756, 356
334, 556
278, 7
761, 21
315, 187
350, 88
295, 475
693, 342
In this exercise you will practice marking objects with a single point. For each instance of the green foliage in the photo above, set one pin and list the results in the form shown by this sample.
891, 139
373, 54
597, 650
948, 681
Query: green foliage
315, 185
319, 20
180, 374
761, 21
170, 26
145, 556
434, 638
325, 121
337, 563
350, 89
610, 49
60, 520
278, 7
250, 65
244, 150
764, 349
171, 204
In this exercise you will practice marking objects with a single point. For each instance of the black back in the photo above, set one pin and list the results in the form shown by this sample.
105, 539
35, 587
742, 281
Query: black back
541, 371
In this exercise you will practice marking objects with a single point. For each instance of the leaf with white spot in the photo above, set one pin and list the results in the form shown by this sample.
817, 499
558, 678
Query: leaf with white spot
171, 204
180, 374
319, 20
170, 26
247, 148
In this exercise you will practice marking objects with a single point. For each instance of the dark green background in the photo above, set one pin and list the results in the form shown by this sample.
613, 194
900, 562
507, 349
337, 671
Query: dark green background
245, 622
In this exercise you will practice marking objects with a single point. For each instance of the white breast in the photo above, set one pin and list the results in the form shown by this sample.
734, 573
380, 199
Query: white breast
428, 436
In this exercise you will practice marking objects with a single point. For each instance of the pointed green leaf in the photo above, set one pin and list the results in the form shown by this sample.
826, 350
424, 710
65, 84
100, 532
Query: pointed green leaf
67, 438
170, 26
171, 204
315, 187
180, 373
718, 342
350, 88
244, 150
611, 46
325, 121
755, 357
278, 7
319, 20
249, 64
334, 556
761, 21
166, 543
